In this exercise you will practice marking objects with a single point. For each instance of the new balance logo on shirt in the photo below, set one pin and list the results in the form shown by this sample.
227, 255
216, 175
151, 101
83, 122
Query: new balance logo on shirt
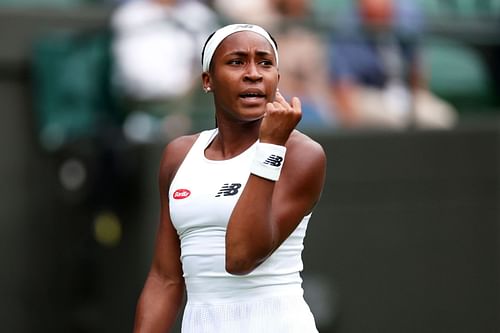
274, 160
228, 189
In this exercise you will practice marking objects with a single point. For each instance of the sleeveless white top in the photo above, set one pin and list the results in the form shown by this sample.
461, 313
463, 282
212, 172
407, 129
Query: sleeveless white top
202, 196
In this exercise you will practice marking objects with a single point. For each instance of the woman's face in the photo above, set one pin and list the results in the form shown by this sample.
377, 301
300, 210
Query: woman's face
243, 76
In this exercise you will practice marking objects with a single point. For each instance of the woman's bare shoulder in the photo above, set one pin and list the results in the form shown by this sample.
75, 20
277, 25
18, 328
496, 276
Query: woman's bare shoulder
181, 144
174, 153
305, 157
303, 144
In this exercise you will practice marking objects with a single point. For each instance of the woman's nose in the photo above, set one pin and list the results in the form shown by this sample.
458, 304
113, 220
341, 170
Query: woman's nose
252, 72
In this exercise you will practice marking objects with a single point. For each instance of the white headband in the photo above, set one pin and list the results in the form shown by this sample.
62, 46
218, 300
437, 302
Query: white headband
223, 32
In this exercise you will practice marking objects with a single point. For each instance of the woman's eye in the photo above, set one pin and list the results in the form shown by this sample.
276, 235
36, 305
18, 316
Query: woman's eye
266, 62
235, 62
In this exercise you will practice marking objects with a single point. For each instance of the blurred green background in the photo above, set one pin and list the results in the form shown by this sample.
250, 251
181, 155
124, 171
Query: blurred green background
405, 238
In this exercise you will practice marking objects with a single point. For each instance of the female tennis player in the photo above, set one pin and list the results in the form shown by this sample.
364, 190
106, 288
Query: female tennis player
235, 203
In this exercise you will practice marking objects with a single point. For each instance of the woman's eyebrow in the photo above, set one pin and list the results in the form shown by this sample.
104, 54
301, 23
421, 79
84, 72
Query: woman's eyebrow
264, 53
239, 53
242, 53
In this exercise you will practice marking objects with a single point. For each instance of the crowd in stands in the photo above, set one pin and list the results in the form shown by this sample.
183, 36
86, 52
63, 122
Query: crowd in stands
364, 69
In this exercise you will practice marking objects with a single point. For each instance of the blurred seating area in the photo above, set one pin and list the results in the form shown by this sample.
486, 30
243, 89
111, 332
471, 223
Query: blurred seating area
435, 9
460, 47
81, 84
54, 4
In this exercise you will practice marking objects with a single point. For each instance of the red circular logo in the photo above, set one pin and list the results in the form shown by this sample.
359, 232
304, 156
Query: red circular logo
181, 193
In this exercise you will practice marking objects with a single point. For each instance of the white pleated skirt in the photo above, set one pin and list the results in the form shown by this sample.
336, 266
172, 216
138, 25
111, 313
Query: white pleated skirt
266, 314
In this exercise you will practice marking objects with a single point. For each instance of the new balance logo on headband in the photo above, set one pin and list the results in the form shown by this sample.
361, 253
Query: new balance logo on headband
244, 26
228, 189
274, 160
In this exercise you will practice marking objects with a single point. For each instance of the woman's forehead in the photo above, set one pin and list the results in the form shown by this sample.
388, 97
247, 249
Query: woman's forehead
244, 40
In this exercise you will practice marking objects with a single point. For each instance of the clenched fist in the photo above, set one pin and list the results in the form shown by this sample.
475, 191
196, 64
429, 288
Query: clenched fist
280, 120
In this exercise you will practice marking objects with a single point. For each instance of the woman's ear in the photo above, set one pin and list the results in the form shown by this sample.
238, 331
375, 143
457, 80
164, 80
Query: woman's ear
206, 82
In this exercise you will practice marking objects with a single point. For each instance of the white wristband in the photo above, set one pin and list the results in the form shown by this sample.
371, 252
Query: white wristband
268, 161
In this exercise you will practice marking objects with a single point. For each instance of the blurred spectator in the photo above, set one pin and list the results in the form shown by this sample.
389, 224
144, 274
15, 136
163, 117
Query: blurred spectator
376, 71
156, 50
156, 46
302, 68
257, 12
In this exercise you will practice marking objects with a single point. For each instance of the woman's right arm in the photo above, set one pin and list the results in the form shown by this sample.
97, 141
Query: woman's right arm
163, 292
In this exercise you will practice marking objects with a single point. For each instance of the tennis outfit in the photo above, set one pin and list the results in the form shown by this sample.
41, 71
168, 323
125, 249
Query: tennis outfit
270, 299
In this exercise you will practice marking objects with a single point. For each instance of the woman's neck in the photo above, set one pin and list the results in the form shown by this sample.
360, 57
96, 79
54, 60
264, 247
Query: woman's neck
232, 140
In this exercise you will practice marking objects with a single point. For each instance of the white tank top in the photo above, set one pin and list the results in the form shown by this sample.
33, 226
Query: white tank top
202, 196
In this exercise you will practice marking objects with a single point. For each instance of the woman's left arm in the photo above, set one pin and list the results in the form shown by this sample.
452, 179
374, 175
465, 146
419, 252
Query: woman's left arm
267, 212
